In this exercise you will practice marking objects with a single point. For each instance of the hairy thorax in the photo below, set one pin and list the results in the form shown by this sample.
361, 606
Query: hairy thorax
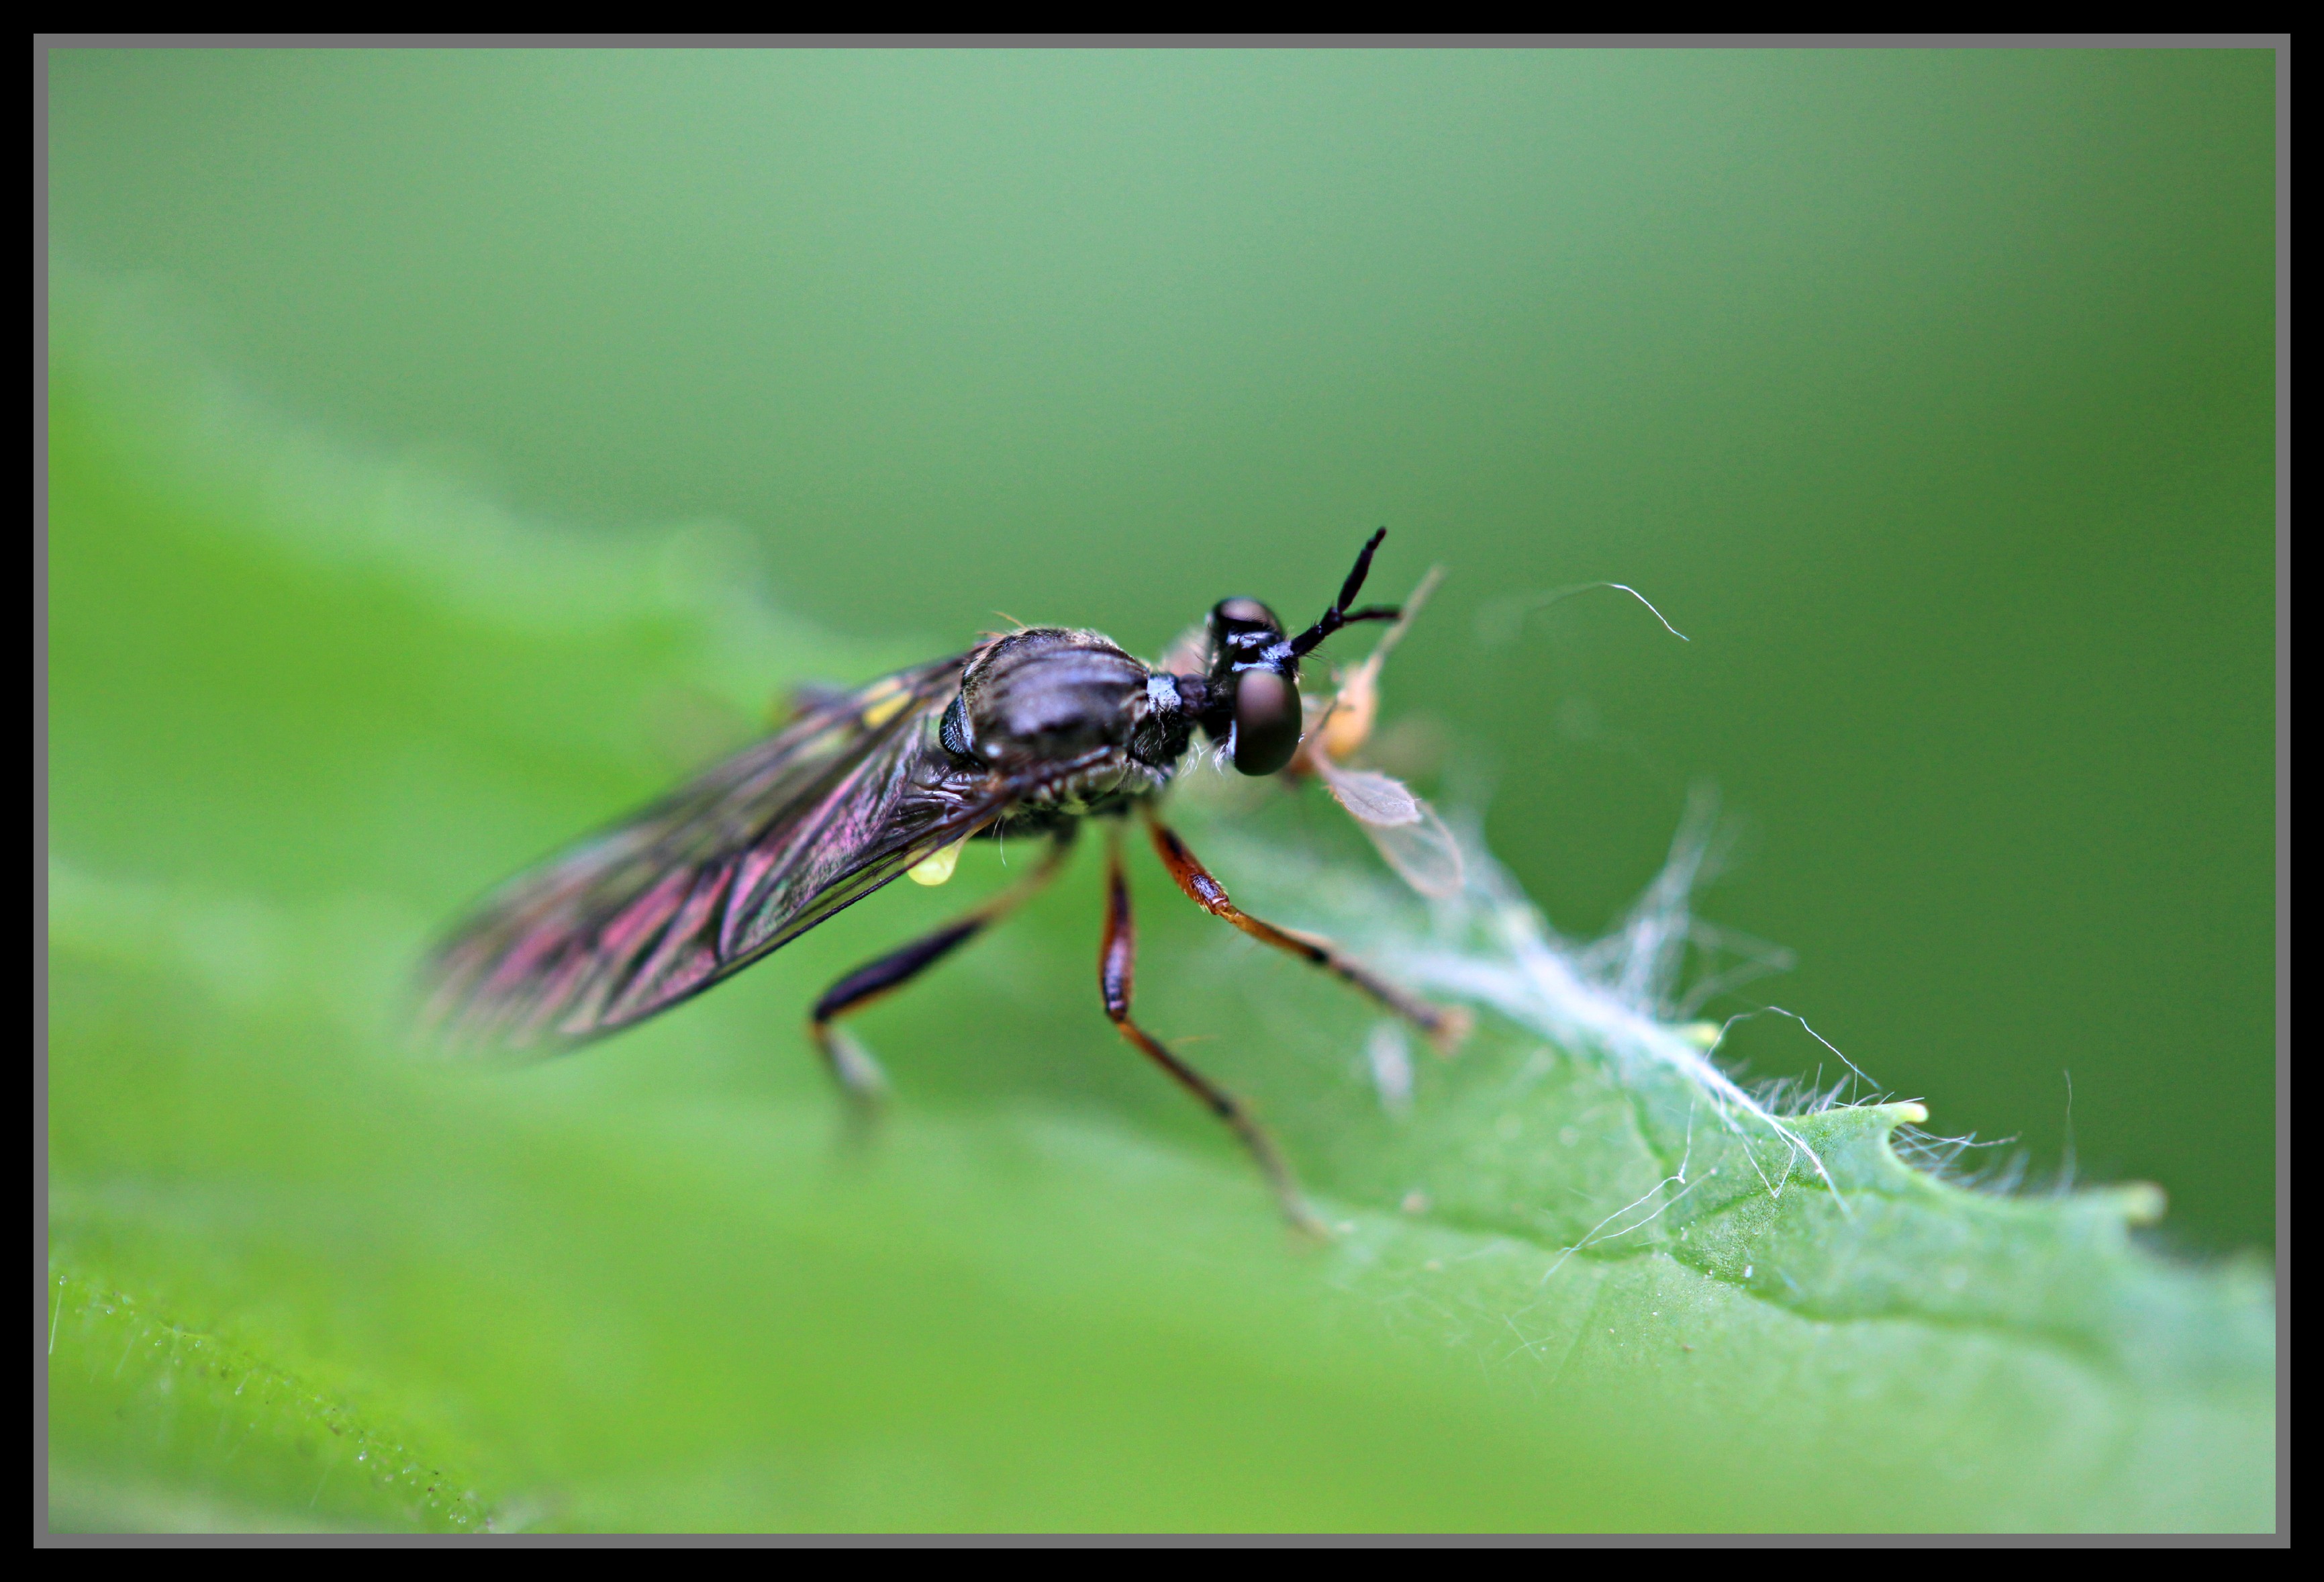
1081, 722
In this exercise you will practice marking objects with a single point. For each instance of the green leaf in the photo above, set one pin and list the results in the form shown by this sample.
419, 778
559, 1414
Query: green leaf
303, 703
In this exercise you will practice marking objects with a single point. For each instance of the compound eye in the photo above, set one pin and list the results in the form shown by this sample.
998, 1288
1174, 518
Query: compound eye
1267, 722
1243, 625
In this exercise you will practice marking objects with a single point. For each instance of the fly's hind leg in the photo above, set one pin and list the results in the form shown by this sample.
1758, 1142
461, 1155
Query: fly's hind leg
1116, 966
1444, 1025
851, 1065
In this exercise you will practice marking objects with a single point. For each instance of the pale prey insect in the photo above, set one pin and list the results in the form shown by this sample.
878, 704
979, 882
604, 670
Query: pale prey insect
1029, 733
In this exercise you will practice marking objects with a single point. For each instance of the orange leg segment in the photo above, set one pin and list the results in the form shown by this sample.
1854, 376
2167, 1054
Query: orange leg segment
1445, 1026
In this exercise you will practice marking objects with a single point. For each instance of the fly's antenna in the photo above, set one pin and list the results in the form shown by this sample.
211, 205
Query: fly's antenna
1339, 614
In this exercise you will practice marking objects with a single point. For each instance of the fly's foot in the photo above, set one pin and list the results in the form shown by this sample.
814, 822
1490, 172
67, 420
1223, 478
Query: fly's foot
1450, 1029
853, 1067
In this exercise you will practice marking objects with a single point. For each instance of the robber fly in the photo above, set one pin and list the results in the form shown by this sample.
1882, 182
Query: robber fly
1029, 733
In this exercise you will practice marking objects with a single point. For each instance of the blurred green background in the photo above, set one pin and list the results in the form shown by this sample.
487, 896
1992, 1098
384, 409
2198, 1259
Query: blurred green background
450, 448
1930, 393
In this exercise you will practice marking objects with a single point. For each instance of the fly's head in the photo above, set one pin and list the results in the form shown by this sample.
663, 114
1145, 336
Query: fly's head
1248, 701
1253, 684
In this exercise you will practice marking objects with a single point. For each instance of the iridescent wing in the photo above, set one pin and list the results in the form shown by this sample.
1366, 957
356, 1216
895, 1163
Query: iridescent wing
744, 859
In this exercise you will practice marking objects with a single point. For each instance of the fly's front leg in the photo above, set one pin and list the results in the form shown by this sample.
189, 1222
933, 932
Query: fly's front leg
1116, 966
1444, 1025
849, 1063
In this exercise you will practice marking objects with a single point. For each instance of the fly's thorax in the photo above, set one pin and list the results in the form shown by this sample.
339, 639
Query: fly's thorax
1049, 694
1103, 788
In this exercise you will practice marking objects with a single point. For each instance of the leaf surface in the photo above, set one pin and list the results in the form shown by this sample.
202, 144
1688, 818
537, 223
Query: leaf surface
304, 704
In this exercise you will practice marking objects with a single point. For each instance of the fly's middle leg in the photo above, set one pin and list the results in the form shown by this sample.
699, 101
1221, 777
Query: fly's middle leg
851, 1065
1116, 969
